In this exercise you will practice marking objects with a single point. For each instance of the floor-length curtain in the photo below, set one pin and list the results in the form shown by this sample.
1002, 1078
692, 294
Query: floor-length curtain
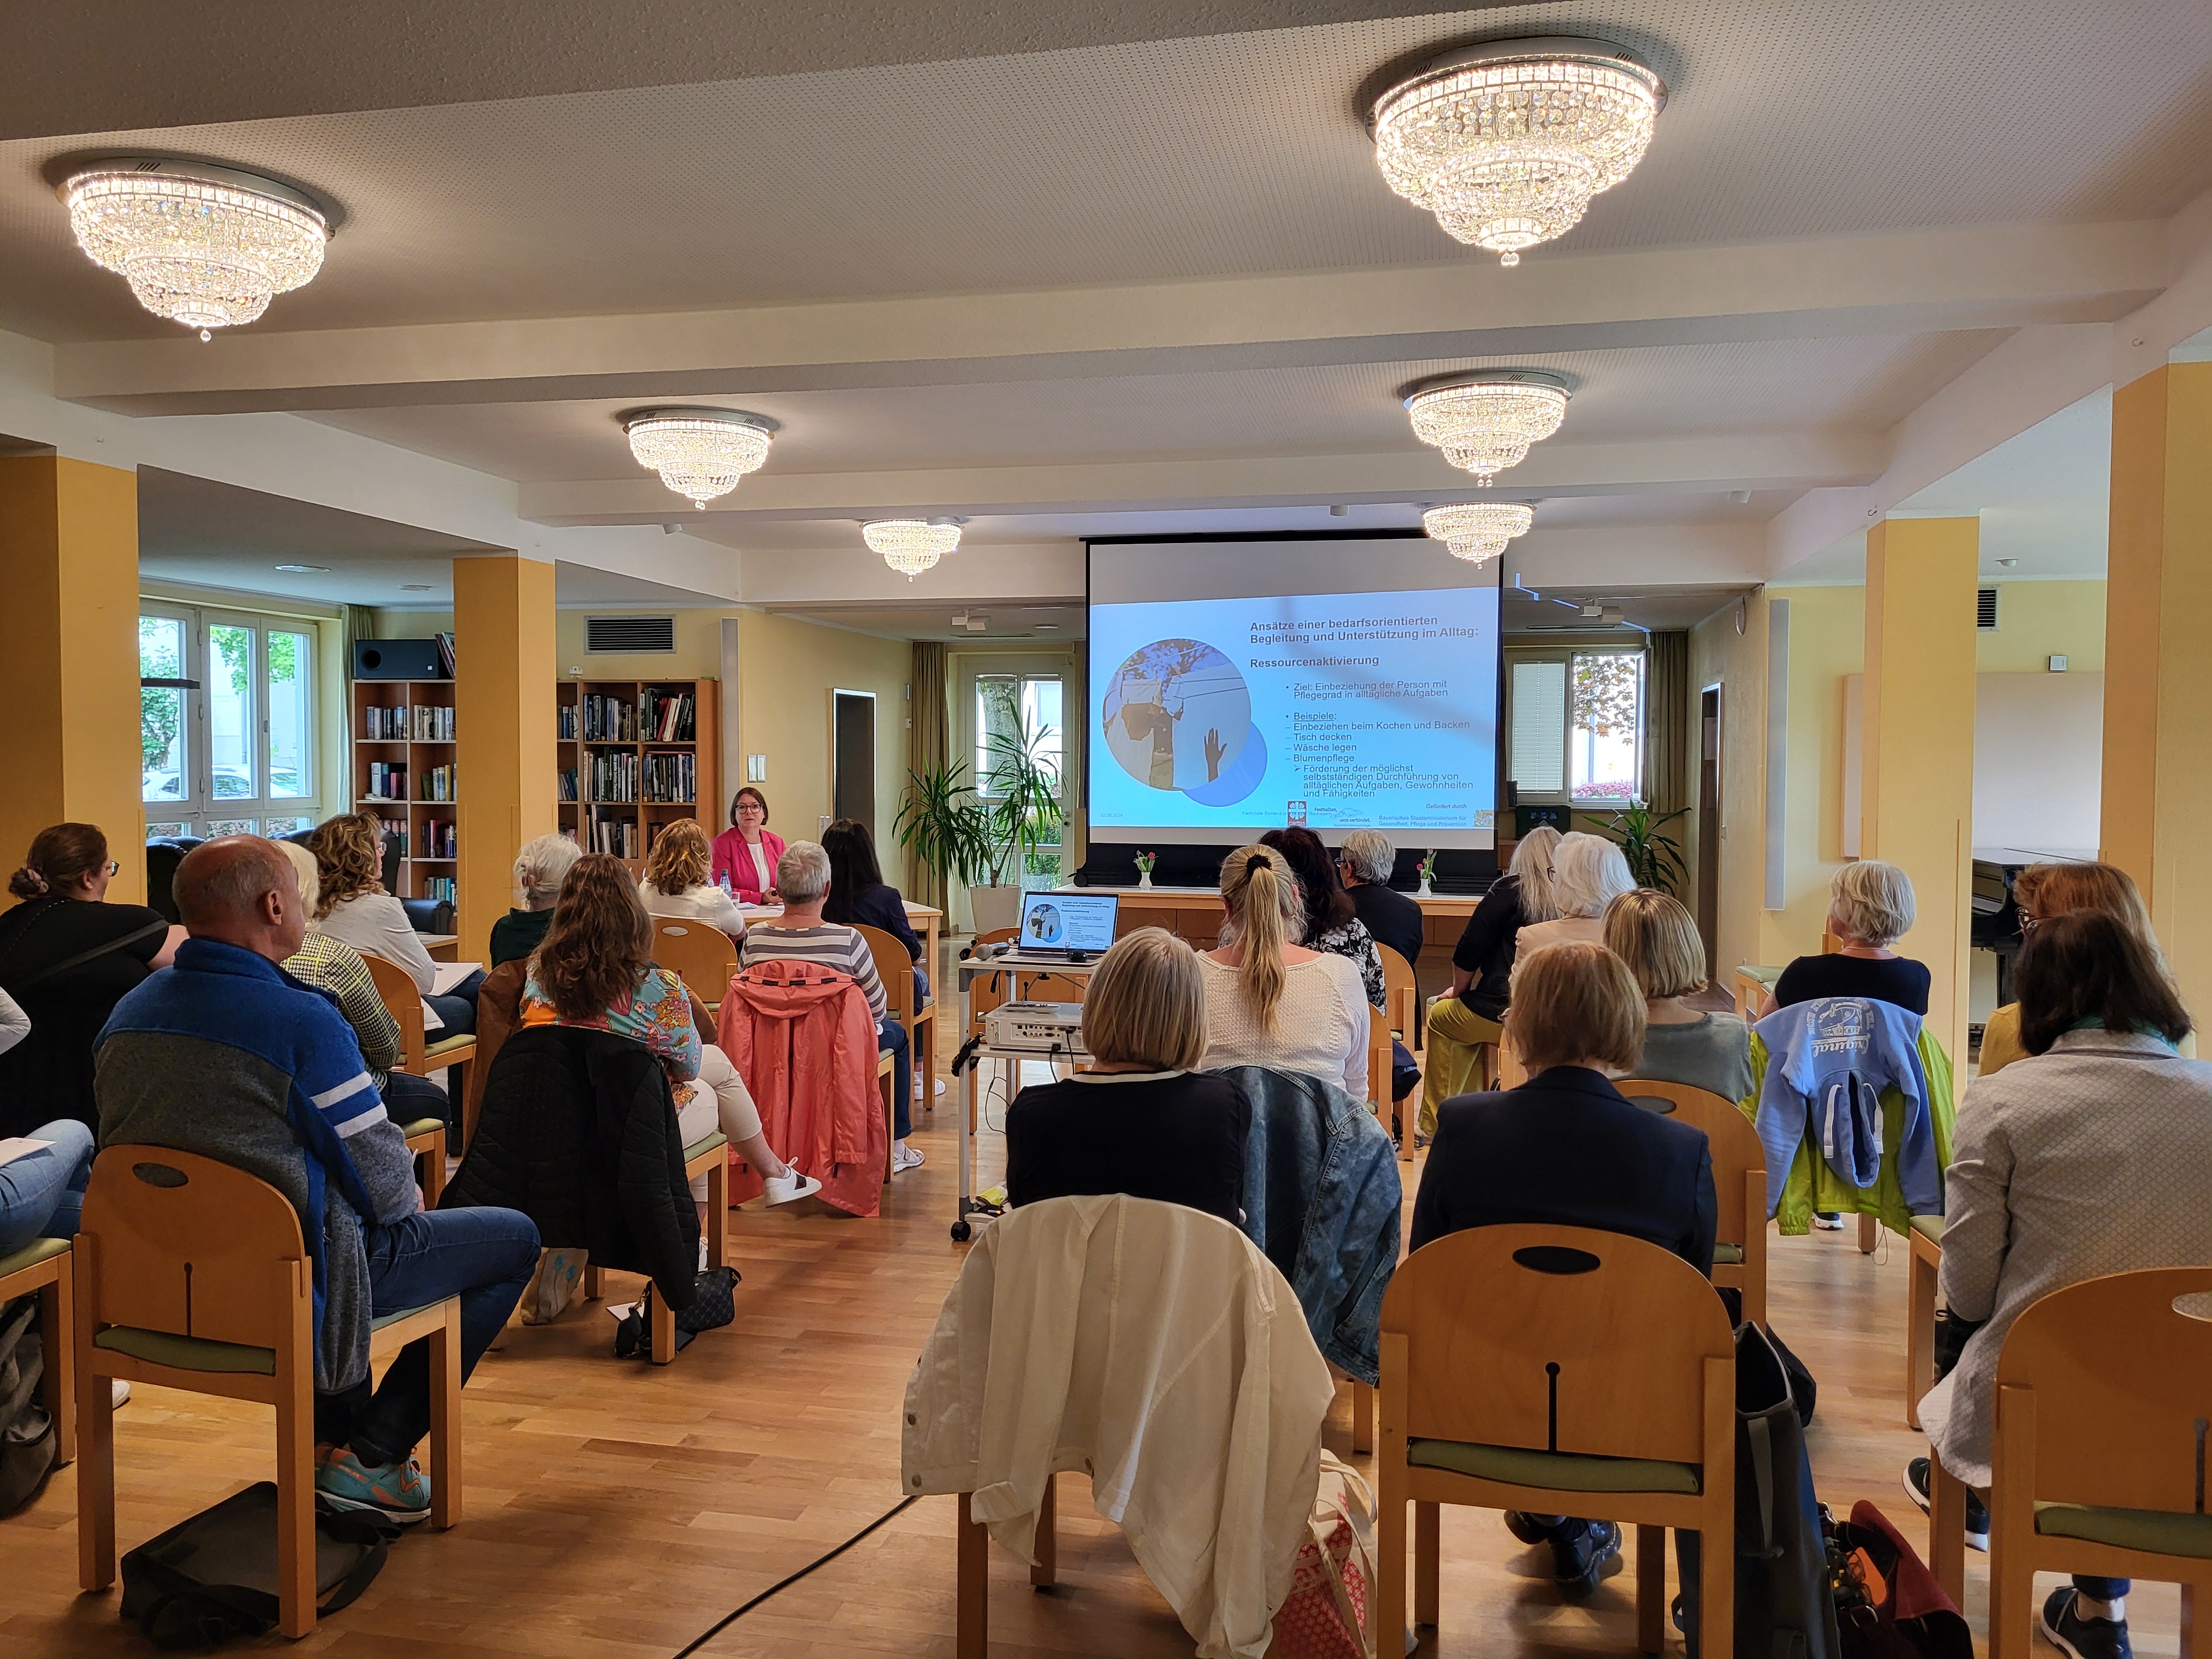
1667, 724
927, 744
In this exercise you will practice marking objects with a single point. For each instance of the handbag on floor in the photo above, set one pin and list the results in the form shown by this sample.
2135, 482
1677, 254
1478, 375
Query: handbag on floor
27, 1432
1325, 1615
215, 1576
713, 1305
1889, 1605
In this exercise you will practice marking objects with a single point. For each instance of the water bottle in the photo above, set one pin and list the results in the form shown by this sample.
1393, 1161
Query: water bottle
722, 881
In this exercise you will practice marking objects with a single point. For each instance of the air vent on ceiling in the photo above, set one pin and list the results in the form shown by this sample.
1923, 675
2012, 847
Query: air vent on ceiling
630, 635
1985, 610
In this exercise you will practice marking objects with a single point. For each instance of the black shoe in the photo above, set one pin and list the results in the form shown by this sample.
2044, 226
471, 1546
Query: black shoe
1578, 1565
2079, 1638
1918, 1475
1524, 1527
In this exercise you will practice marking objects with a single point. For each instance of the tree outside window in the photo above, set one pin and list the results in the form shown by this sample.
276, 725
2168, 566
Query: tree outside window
1606, 729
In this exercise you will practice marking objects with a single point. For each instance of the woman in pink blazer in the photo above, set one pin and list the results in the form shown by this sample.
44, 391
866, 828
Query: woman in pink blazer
747, 851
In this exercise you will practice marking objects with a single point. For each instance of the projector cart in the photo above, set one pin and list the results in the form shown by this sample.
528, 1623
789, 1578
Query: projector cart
973, 1053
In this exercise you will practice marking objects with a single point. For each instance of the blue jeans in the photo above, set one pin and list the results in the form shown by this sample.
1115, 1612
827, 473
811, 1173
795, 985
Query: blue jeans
890, 1035
458, 1008
410, 1099
485, 1256
42, 1194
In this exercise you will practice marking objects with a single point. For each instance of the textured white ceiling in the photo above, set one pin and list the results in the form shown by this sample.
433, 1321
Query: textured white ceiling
1172, 160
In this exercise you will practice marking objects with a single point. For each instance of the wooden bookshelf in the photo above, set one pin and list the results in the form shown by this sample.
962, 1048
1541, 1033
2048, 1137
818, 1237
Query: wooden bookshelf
623, 779
403, 743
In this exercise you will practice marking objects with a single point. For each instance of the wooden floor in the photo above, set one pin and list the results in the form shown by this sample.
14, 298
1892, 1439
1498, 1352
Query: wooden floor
614, 1509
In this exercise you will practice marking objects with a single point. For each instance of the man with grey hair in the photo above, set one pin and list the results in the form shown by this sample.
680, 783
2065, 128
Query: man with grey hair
1366, 862
799, 934
227, 1056
539, 869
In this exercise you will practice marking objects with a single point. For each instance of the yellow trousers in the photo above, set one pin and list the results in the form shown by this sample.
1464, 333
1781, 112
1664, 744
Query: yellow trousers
1449, 1055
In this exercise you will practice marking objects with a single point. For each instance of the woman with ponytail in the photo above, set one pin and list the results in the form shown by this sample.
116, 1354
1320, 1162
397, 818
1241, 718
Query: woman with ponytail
1270, 1001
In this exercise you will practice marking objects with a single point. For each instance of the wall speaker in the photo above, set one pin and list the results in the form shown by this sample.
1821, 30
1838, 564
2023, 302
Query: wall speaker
397, 659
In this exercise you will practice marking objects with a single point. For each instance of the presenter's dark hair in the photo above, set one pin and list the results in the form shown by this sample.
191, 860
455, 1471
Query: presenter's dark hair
2086, 965
852, 867
759, 800
1326, 904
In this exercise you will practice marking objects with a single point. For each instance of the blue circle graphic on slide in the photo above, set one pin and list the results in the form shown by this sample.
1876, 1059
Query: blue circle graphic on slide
1177, 716
1239, 778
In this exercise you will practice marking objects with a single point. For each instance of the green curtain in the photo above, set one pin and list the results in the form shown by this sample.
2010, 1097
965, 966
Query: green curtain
927, 742
1666, 723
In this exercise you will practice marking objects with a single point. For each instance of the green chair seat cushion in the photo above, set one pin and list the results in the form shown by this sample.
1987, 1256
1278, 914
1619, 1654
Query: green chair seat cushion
446, 1045
422, 1126
186, 1353
705, 1144
1929, 1227
1761, 974
1728, 1256
1518, 1466
38, 1250
2162, 1532
382, 1320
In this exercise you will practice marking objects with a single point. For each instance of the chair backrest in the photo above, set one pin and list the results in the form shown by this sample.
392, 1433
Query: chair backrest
1400, 998
698, 953
893, 967
183, 1244
1557, 1339
1737, 1151
397, 987
1379, 1059
2121, 1383
499, 1012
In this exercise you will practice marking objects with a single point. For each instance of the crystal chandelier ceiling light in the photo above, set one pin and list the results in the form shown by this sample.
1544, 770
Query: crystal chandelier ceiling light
911, 546
1476, 531
204, 246
1485, 422
699, 452
1507, 142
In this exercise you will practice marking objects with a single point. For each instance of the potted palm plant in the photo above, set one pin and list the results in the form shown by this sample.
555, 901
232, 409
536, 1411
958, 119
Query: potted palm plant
1654, 858
943, 825
1021, 810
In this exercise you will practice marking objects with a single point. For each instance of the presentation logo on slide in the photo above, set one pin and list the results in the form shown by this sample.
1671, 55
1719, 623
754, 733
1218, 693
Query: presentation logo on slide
1178, 717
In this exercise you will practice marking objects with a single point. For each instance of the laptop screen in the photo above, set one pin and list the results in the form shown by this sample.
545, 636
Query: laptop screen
1068, 921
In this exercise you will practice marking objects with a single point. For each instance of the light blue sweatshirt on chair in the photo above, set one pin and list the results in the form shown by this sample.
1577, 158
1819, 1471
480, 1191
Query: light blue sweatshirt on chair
1829, 1061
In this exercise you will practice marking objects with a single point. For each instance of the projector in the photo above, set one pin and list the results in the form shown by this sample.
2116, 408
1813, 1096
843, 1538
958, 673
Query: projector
1035, 1028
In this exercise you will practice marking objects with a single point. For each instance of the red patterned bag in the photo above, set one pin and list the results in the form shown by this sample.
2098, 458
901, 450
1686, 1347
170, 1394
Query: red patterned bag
1326, 1614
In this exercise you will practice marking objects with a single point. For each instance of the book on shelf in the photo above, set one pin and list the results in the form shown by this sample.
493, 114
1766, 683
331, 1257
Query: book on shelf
440, 887
397, 829
670, 779
614, 836
613, 777
384, 725
437, 783
568, 717
565, 783
432, 724
387, 780
440, 839
609, 720
446, 655
669, 717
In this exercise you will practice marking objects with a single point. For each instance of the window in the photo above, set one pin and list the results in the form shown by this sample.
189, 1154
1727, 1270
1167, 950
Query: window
1009, 705
1575, 726
231, 750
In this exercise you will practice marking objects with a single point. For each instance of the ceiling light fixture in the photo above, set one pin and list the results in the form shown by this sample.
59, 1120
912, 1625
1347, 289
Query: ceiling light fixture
1485, 422
699, 452
204, 246
303, 569
1507, 142
911, 546
1476, 531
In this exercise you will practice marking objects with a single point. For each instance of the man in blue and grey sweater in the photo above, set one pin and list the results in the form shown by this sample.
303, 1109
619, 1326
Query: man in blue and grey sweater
227, 1055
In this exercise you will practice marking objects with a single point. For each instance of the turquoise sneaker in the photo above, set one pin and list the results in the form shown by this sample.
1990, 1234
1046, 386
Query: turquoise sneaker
400, 1492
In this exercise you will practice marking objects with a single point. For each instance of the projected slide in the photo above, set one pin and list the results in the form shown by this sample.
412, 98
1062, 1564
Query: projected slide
1237, 687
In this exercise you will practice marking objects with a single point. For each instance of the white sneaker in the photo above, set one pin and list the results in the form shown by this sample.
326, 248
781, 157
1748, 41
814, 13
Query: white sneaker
917, 1087
906, 1158
1828, 1224
122, 1391
789, 1188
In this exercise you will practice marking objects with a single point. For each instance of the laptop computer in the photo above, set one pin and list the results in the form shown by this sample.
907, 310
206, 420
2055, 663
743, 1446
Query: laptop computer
1066, 927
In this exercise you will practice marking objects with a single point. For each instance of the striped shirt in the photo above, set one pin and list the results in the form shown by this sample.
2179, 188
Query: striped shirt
332, 965
826, 944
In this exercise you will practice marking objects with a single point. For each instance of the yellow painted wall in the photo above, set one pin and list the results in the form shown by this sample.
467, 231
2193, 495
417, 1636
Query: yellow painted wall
1827, 644
2036, 620
786, 669
503, 727
69, 657
698, 654
1737, 664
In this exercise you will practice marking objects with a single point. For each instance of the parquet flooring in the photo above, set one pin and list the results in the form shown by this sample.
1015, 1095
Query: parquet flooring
616, 1510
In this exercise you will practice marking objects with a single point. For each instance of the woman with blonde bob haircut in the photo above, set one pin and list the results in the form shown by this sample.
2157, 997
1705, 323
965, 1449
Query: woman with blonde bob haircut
1657, 938
1270, 1001
1138, 1119
2044, 892
676, 885
1870, 907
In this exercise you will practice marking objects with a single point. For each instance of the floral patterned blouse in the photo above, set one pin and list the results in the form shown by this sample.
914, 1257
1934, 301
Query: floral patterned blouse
657, 1013
1354, 942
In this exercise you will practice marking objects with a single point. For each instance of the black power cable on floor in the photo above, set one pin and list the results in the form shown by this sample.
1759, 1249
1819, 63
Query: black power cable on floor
724, 1624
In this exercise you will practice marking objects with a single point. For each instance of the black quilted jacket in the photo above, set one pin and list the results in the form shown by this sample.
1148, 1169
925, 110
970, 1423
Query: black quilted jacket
578, 1131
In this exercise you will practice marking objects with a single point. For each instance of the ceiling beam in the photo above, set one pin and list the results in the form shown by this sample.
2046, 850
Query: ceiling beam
1915, 282
1673, 465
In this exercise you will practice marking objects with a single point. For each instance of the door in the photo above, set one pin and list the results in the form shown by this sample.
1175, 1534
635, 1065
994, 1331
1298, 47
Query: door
1708, 821
853, 760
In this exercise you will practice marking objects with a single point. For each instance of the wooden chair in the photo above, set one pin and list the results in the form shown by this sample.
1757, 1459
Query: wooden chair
703, 957
896, 968
1923, 1268
43, 1266
1402, 1002
1515, 1359
499, 1014
417, 1056
1379, 1059
2104, 1390
190, 1274
708, 1156
426, 1139
1739, 1177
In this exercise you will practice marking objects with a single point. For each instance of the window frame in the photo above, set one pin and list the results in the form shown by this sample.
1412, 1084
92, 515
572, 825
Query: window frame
1564, 795
197, 806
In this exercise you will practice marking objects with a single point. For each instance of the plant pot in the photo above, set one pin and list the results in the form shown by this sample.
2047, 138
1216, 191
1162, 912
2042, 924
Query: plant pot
1143, 881
995, 908
1424, 892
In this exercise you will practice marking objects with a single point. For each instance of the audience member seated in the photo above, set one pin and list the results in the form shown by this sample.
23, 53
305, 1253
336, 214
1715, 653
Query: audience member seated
861, 897
1271, 1002
2093, 1158
595, 971
229, 1058
1869, 908
1588, 873
67, 956
42, 1192
1329, 922
2045, 890
1659, 941
1365, 865
676, 884
1138, 1119
802, 876
749, 853
332, 965
539, 869
353, 908
1470, 1015
1567, 1149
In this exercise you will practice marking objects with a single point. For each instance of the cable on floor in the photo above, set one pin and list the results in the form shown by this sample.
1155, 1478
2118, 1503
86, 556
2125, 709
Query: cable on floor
724, 1624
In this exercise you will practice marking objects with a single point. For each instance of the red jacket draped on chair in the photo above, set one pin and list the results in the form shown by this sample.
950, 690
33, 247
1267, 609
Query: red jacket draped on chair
802, 1038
